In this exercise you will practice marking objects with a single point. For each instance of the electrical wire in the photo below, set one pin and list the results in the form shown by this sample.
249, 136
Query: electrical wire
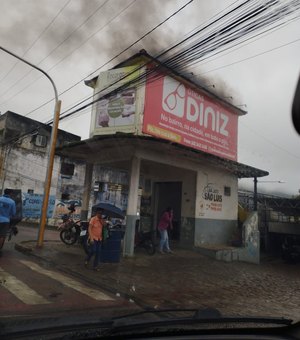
251, 57
264, 17
241, 45
271, 142
203, 73
117, 55
126, 49
35, 41
49, 69
141, 79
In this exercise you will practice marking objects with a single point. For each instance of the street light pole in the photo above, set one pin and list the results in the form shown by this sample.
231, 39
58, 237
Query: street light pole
51, 150
255, 190
255, 194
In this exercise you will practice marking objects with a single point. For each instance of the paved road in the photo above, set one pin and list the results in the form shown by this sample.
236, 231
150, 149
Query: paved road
31, 287
186, 279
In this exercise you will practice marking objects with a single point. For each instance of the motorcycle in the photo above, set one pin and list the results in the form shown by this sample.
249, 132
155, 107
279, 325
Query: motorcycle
144, 240
72, 231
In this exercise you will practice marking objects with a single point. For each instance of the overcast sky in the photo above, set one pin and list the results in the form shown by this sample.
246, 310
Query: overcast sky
70, 39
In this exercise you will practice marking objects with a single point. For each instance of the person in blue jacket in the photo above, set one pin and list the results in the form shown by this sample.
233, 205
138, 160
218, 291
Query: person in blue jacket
7, 211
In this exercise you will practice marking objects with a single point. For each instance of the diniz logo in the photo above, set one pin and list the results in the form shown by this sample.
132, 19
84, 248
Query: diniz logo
181, 102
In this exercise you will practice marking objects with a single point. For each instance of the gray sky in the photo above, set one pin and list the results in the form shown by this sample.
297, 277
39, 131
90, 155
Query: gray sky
72, 38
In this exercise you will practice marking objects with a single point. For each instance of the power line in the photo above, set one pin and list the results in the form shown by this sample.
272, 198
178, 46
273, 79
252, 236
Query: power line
233, 26
256, 18
241, 45
263, 13
236, 62
126, 49
251, 57
271, 142
166, 51
68, 55
53, 50
35, 41
116, 56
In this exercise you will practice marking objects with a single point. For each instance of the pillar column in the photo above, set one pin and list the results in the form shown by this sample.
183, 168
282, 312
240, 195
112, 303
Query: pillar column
131, 214
86, 191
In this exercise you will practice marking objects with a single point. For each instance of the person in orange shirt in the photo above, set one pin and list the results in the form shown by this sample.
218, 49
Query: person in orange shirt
95, 239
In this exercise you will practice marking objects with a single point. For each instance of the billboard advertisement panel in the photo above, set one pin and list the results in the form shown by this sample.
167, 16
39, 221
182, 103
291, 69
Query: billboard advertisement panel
175, 112
116, 113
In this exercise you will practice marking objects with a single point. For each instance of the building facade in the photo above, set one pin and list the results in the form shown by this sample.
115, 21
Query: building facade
24, 149
177, 144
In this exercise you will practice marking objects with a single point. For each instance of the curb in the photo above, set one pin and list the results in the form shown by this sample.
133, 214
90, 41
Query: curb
23, 249
29, 252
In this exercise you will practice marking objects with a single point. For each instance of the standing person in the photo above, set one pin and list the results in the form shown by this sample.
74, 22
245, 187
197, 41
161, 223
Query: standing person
95, 238
7, 211
164, 223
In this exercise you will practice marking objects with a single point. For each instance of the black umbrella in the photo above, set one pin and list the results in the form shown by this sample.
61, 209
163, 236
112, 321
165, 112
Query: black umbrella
109, 210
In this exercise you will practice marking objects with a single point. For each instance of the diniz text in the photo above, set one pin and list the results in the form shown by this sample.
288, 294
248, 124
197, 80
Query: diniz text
206, 116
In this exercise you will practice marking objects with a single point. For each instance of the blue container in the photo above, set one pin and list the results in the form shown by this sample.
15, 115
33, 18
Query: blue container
111, 248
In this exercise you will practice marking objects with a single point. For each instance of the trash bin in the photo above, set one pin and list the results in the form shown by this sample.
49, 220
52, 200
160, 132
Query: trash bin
111, 247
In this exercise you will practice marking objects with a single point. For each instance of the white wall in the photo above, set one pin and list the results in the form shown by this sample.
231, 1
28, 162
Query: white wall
211, 202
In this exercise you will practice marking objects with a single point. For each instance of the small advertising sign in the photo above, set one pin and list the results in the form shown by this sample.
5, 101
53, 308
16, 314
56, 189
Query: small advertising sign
175, 112
211, 201
116, 113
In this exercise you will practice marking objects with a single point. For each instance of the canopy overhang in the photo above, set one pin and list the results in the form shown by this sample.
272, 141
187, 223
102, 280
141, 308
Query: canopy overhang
117, 150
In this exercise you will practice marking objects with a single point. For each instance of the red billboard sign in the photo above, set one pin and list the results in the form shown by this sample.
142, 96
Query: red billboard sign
175, 112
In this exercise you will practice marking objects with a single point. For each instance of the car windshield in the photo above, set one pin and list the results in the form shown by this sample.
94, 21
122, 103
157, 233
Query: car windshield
149, 161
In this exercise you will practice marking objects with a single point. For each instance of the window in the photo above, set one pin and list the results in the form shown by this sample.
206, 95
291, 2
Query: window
227, 191
40, 140
67, 169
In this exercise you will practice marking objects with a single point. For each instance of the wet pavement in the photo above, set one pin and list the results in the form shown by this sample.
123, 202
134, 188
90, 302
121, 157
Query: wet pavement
185, 279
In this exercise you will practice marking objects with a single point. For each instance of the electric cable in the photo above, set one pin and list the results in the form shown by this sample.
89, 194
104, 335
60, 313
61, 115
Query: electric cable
84, 106
251, 57
258, 10
49, 69
117, 55
35, 40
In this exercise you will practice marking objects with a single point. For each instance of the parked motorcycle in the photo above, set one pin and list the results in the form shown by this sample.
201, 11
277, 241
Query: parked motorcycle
72, 231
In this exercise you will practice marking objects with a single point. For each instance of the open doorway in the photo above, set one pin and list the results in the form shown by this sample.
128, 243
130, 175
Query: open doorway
168, 194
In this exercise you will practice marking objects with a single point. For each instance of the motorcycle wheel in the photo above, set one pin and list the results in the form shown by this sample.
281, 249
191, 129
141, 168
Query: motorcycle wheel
68, 236
150, 247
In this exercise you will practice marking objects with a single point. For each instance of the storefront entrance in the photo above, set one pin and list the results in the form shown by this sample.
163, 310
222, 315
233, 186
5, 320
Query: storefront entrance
168, 194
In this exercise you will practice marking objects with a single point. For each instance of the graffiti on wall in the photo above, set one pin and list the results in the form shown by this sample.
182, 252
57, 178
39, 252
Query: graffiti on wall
61, 208
32, 205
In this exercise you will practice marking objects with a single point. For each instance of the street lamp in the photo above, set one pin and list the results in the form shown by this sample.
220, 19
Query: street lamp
51, 150
255, 189
271, 182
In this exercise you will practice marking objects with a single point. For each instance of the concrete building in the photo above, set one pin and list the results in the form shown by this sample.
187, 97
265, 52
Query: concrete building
177, 143
24, 149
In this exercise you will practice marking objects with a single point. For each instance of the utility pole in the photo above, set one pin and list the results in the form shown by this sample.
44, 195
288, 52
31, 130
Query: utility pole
255, 193
51, 150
